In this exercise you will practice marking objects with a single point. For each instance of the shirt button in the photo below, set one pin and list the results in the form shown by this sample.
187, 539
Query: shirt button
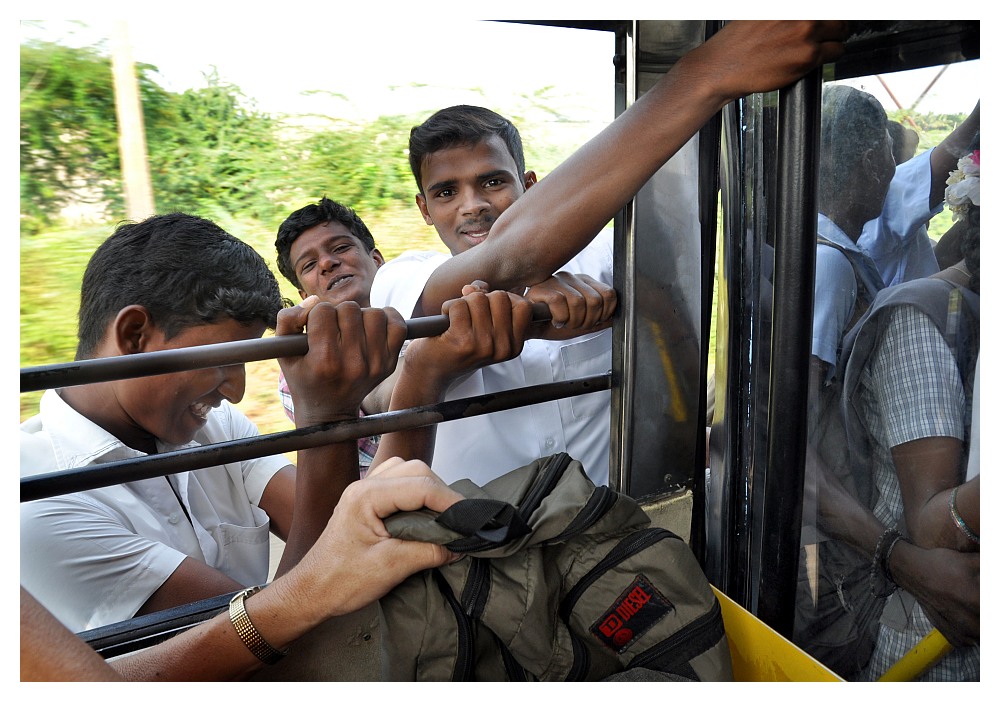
550, 442
174, 518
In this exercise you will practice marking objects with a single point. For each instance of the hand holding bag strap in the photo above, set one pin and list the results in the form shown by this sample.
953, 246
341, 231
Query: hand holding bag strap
473, 524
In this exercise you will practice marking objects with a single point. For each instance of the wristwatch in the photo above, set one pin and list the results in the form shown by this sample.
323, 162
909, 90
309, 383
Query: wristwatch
248, 633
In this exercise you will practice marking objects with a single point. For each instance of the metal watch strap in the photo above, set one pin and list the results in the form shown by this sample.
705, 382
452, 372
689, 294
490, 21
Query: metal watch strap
248, 633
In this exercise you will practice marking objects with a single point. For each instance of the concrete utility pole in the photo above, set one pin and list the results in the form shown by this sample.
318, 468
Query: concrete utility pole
131, 131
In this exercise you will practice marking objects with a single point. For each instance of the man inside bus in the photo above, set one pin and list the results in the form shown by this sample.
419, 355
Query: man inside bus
897, 240
856, 168
168, 282
353, 563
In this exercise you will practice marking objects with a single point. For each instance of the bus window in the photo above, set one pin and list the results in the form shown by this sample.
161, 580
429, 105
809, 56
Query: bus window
894, 347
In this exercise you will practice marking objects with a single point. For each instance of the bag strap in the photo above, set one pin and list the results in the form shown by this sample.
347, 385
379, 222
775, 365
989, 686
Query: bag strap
483, 523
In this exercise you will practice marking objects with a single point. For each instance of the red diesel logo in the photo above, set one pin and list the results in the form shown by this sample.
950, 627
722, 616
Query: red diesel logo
629, 606
636, 609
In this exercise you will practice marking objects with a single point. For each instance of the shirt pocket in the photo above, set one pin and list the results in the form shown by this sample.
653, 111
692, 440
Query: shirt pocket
245, 551
589, 356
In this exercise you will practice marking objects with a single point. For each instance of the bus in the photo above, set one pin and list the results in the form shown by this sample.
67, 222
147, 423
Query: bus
710, 375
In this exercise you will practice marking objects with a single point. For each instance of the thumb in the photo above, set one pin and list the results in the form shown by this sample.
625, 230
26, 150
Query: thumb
475, 286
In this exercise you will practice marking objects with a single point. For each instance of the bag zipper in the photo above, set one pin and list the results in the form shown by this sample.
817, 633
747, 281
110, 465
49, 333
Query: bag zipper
474, 596
477, 588
515, 671
600, 502
630, 545
547, 479
627, 547
698, 636
466, 635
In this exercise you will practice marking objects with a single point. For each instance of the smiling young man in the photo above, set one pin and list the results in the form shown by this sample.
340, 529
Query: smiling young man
325, 249
468, 163
511, 230
174, 281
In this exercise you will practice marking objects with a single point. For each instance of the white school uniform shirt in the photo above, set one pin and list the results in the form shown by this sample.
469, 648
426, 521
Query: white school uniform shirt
93, 558
483, 448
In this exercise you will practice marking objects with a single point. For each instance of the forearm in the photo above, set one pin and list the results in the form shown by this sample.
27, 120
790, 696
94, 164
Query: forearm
563, 212
938, 525
281, 613
412, 390
945, 583
945, 156
322, 475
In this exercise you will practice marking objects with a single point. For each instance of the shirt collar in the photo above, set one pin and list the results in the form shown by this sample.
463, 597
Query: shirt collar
77, 441
831, 232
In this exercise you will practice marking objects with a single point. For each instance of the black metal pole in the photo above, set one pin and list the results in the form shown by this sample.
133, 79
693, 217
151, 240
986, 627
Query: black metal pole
98, 370
794, 278
37, 487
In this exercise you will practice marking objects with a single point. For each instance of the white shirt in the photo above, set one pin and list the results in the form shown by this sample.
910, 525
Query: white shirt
93, 558
485, 447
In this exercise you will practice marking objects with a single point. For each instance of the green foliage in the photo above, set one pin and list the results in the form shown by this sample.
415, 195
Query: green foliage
213, 152
69, 142
363, 165
931, 128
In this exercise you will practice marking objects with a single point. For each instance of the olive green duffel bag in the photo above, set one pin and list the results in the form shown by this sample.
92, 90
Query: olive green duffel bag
561, 580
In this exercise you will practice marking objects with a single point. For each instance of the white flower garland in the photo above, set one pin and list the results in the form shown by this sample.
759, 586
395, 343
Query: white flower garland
963, 186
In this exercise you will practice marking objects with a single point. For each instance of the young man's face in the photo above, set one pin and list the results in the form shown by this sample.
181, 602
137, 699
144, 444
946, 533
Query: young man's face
332, 263
466, 188
172, 407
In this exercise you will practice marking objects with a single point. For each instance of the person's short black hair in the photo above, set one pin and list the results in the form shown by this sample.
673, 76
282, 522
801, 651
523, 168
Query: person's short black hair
853, 122
461, 125
185, 270
314, 215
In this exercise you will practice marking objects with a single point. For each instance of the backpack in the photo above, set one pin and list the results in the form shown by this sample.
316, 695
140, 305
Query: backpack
561, 580
836, 617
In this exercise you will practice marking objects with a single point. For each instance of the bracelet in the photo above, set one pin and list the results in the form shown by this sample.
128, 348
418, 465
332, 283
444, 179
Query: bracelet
957, 518
880, 561
248, 633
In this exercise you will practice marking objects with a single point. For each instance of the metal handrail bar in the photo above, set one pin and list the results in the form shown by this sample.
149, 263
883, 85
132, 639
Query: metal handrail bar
98, 370
36, 487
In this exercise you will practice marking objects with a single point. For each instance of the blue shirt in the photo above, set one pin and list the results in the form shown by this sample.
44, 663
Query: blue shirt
897, 239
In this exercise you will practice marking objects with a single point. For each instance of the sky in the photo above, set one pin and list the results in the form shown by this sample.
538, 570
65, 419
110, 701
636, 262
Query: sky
372, 66
277, 60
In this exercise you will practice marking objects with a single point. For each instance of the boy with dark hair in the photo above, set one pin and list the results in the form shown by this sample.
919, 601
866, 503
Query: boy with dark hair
513, 231
328, 228
325, 249
173, 281
468, 162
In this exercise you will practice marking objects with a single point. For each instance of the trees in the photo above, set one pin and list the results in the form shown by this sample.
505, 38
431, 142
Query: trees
208, 148
211, 151
69, 149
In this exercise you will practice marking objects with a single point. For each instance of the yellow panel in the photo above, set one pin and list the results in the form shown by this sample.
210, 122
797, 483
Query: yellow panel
760, 654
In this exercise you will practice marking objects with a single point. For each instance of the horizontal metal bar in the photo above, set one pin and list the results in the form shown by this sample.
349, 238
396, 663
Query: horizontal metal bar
99, 370
148, 630
44, 485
